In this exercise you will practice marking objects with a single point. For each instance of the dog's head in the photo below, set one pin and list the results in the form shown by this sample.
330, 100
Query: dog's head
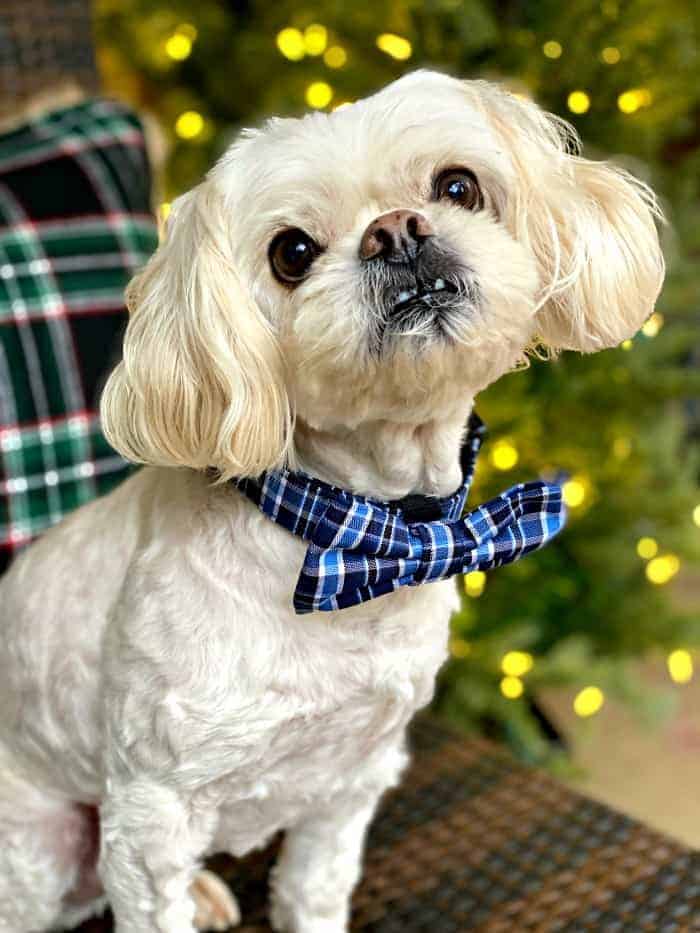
385, 261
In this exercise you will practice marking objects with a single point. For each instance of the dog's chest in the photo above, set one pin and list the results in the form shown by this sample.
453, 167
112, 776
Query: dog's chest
338, 728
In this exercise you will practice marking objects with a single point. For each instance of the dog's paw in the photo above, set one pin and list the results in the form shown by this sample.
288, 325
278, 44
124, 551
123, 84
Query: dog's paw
216, 907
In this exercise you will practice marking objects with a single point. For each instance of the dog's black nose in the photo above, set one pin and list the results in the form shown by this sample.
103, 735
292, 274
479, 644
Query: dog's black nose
395, 236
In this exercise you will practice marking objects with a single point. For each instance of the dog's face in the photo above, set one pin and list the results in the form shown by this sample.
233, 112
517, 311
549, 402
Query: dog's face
376, 242
386, 261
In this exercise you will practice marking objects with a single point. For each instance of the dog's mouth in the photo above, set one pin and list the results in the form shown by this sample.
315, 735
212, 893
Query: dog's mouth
425, 294
429, 299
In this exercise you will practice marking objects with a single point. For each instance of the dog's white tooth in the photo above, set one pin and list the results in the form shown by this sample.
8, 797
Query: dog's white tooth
439, 283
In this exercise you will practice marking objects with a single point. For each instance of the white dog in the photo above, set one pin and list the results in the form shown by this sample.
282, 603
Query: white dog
331, 297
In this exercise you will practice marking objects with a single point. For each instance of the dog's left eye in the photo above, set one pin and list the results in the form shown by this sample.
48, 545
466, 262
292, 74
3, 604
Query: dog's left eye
291, 254
460, 186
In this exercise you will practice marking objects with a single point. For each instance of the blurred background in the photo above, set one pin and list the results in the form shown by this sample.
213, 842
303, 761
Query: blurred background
581, 657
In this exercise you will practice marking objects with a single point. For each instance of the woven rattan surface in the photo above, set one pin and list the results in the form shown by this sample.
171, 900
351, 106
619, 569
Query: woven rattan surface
474, 841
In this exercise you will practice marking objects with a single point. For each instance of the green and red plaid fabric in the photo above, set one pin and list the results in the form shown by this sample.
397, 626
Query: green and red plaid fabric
75, 224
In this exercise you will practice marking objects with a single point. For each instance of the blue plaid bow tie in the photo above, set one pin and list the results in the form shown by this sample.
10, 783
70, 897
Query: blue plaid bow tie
360, 548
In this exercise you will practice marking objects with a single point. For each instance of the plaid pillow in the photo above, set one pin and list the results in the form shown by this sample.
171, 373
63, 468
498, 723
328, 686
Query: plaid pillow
75, 224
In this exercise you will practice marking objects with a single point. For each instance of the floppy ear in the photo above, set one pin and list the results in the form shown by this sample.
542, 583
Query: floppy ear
591, 227
201, 383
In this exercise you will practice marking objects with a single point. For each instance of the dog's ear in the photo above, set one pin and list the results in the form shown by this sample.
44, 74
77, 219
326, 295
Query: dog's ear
591, 227
202, 382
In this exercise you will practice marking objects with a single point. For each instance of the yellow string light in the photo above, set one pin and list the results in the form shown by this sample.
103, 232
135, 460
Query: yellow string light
627, 102
647, 548
552, 49
291, 44
335, 56
459, 648
696, 515
574, 491
680, 666
661, 569
189, 124
178, 47
627, 344
315, 39
610, 55
395, 46
319, 94
588, 701
653, 325
632, 100
504, 455
512, 687
578, 102
517, 663
474, 583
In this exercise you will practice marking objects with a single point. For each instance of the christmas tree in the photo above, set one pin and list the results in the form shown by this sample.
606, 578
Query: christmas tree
623, 423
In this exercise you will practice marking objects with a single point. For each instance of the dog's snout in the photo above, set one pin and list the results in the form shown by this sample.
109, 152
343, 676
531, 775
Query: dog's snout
395, 236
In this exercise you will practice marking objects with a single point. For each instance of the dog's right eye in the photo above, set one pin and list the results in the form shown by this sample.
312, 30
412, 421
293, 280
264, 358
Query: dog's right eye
291, 254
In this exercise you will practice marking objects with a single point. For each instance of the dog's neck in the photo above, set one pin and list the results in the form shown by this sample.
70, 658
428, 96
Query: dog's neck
384, 459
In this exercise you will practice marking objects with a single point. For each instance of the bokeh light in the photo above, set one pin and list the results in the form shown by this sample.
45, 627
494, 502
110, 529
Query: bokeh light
315, 39
335, 56
680, 666
610, 55
662, 569
574, 492
290, 42
578, 102
517, 663
647, 548
512, 687
504, 455
588, 701
552, 49
653, 325
189, 124
474, 583
634, 99
319, 94
395, 46
178, 46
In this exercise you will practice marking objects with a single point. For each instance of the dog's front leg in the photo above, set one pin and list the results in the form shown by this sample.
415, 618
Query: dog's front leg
318, 868
152, 839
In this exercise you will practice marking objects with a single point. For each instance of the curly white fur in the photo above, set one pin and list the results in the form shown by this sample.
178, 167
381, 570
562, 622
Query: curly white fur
152, 665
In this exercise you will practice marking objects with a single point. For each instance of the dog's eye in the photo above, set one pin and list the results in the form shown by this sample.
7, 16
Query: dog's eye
291, 254
460, 186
